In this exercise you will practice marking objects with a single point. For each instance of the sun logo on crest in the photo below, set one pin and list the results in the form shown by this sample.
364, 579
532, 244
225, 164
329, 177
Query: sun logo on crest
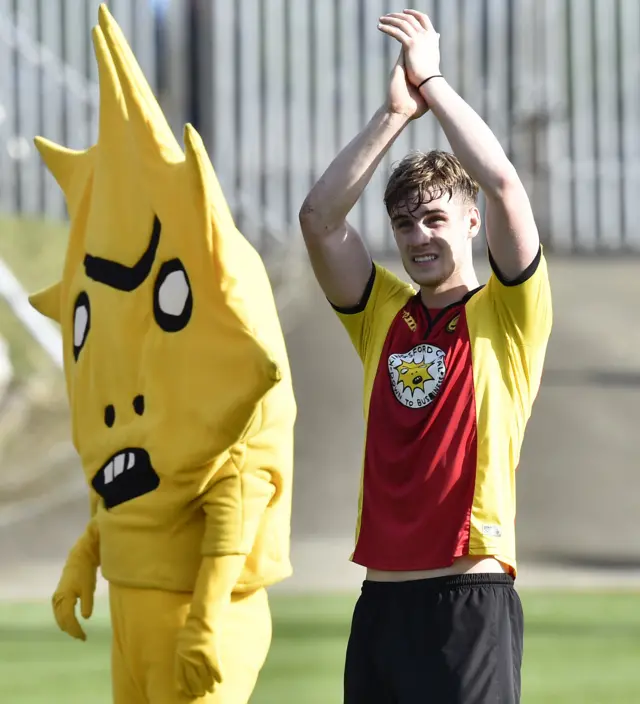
413, 375
417, 375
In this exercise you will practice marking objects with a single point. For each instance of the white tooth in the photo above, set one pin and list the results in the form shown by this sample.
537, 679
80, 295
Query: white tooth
131, 460
108, 473
119, 465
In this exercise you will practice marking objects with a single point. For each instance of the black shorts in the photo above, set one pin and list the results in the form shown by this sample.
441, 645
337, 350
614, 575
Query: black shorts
447, 640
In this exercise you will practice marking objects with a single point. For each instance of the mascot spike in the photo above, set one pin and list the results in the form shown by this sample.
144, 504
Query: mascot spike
69, 167
197, 159
47, 301
152, 132
107, 23
113, 110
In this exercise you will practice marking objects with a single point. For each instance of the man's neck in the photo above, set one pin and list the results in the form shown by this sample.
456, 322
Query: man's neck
453, 290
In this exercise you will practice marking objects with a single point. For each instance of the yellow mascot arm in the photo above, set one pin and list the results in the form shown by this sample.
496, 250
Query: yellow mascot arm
78, 578
86, 550
234, 507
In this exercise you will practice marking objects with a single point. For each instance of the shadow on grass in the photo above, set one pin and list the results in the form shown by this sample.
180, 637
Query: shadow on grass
304, 630
282, 630
16, 635
630, 631
316, 631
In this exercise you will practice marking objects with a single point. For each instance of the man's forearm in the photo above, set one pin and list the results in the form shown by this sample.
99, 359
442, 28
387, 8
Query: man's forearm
471, 139
342, 184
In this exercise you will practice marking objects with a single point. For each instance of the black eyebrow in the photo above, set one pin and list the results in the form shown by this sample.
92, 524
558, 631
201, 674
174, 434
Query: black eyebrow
119, 276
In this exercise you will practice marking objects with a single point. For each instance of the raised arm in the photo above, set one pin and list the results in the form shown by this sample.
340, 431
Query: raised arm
338, 255
511, 231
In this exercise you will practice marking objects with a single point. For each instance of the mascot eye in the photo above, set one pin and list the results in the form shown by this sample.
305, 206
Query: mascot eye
172, 298
81, 323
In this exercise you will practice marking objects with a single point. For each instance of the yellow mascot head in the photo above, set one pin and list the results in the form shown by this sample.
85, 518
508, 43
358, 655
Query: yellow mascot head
164, 362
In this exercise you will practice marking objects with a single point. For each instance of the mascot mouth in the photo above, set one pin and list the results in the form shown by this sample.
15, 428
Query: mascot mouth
125, 476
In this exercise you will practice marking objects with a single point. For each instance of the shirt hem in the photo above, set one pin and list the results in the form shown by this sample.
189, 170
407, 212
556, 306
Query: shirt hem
481, 551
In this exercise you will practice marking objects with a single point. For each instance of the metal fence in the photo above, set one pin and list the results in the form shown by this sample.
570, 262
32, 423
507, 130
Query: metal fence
48, 86
277, 87
558, 81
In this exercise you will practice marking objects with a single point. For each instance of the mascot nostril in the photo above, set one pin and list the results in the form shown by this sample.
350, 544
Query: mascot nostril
138, 405
109, 416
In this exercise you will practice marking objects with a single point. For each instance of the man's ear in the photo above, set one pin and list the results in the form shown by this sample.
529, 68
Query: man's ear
474, 220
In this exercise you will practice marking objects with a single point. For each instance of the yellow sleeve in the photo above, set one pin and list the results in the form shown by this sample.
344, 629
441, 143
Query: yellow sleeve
523, 306
87, 548
94, 502
234, 505
383, 297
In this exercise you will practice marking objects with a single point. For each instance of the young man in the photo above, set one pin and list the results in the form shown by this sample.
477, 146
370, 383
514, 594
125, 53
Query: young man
451, 373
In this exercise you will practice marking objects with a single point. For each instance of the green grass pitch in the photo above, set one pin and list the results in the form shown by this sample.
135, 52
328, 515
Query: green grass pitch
581, 648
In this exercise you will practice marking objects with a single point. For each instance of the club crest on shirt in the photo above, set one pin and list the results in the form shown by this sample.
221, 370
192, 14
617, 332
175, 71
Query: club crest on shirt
416, 376
409, 320
453, 323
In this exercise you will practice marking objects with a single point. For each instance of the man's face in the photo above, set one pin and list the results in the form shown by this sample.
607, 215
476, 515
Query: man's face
433, 237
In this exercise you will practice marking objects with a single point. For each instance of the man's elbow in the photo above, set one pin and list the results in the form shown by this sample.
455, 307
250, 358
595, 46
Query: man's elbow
307, 213
504, 185
314, 221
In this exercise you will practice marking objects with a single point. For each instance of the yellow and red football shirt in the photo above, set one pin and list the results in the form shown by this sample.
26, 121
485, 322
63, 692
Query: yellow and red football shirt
447, 396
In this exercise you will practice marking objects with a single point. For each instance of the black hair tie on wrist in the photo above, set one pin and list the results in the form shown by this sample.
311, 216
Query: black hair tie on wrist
426, 80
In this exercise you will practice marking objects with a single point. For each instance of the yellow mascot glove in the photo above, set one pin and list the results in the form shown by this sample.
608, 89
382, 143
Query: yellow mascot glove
234, 506
78, 582
198, 667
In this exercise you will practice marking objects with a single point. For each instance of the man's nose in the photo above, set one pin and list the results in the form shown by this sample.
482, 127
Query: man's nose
420, 234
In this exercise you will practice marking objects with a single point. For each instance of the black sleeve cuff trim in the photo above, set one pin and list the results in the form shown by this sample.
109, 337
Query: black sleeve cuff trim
359, 307
524, 277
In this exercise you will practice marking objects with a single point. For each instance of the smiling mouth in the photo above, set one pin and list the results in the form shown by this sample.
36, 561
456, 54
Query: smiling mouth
125, 476
425, 258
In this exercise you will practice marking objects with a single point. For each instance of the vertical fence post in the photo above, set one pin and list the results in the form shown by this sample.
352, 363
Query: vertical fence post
281, 85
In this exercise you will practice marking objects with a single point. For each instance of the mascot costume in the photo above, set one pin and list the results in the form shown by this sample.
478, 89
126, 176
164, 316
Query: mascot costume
181, 402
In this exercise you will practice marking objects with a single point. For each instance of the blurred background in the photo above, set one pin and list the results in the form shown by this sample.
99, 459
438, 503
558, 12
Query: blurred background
276, 88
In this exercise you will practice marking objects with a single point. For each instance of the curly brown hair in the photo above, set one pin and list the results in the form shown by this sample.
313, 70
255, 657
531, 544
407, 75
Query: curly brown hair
420, 178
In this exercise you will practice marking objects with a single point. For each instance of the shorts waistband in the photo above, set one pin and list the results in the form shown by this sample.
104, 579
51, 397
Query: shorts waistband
436, 584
